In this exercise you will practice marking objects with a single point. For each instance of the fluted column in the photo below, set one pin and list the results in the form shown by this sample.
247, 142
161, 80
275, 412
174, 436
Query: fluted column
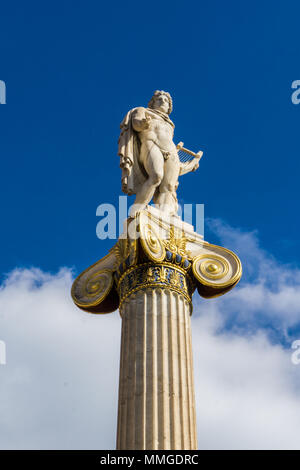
156, 407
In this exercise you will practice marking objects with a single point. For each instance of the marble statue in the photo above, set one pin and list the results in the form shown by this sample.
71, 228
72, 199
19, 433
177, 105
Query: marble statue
148, 156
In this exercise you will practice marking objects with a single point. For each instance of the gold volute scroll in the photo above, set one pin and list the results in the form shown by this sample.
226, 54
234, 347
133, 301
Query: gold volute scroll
93, 290
151, 243
216, 273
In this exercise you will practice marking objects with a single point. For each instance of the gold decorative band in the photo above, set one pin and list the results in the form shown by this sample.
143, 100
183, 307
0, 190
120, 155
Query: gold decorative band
164, 275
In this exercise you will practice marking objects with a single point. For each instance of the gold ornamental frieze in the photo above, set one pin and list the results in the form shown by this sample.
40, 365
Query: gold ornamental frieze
147, 275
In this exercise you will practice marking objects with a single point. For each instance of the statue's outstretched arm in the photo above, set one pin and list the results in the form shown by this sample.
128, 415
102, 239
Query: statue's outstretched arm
140, 121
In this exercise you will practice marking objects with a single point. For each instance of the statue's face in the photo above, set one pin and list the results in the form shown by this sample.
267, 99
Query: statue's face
161, 103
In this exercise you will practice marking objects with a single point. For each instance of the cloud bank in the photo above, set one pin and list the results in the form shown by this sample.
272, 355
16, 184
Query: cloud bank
59, 386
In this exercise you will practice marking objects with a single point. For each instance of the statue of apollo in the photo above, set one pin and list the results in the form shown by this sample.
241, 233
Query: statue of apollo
149, 158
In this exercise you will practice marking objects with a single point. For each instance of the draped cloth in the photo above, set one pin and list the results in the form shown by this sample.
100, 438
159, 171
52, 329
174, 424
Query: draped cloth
133, 175
133, 172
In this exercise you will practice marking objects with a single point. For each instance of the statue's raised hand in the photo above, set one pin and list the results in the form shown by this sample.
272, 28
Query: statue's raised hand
145, 122
140, 120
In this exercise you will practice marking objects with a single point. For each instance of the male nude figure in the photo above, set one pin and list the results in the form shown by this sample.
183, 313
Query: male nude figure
158, 154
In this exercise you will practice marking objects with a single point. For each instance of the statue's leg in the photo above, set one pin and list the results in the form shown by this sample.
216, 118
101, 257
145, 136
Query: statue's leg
166, 196
153, 162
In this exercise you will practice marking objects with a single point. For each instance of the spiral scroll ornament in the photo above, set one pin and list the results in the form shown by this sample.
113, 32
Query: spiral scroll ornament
151, 243
91, 288
216, 271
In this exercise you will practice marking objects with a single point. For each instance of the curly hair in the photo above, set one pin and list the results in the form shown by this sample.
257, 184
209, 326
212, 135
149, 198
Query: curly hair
161, 92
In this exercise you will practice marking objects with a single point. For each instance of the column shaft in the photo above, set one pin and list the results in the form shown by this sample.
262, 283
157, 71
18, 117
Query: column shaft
156, 407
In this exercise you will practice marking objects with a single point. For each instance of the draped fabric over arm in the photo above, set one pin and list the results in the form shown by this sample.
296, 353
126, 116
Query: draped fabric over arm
133, 174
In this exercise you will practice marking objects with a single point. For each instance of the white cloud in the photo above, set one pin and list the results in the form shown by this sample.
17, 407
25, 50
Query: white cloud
269, 294
59, 386
247, 389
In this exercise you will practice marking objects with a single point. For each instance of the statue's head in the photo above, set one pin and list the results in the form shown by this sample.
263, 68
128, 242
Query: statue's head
162, 101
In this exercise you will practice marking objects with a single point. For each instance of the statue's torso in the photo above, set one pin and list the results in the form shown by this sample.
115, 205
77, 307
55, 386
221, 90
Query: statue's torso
160, 132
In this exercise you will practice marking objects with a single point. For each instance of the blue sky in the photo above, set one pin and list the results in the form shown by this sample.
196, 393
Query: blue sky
72, 71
